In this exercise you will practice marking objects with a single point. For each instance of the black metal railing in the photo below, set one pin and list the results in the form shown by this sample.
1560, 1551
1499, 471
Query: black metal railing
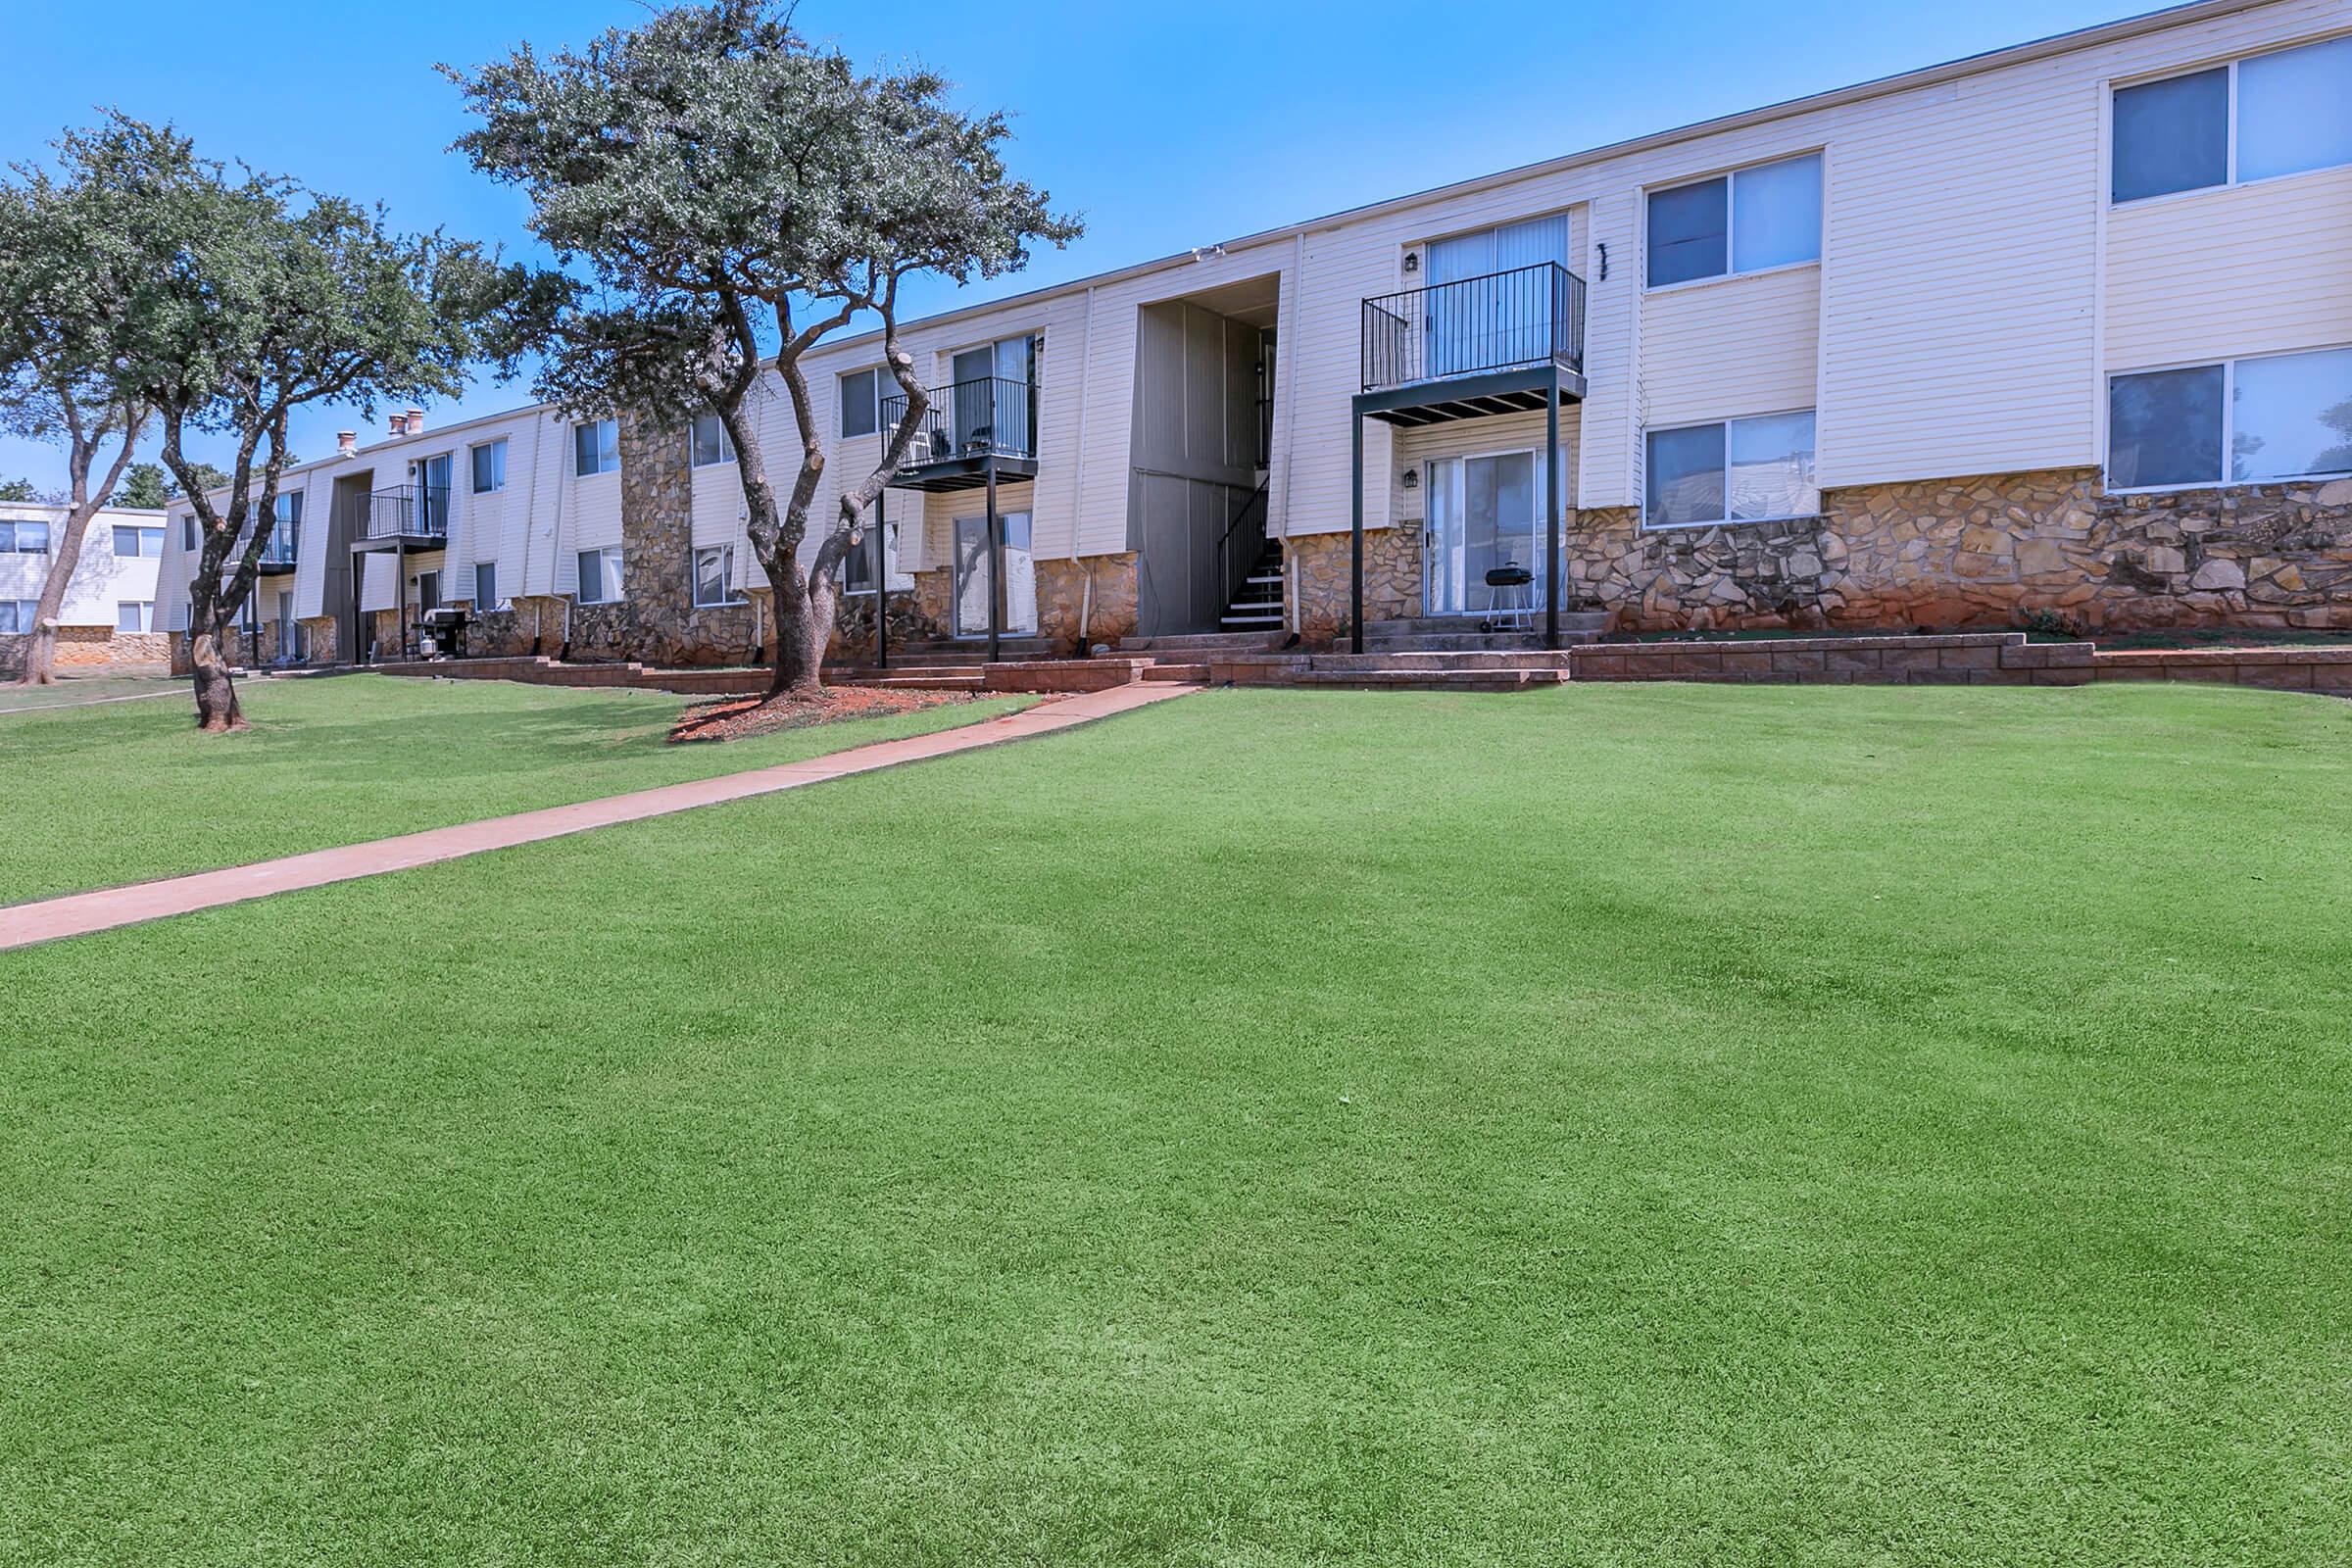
1510, 321
1243, 547
989, 416
411, 511
283, 546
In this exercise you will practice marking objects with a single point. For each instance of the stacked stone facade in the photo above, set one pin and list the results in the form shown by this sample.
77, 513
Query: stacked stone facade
1992, 550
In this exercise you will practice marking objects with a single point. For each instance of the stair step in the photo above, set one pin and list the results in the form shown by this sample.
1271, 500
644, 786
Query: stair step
1236, 642
1180, 672
1269, 620
1471, 642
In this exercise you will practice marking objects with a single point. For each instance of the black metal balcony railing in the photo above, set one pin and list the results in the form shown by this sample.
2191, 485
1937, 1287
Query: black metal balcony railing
411, 511
990, 415
1510, 321
283, 546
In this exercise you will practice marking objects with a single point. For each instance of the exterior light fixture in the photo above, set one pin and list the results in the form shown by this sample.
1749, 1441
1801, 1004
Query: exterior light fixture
1412, 263
1410, 478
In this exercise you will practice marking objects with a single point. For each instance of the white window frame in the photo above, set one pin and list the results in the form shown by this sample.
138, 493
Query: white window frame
1727, 423
2229, 420
497, 600
48, 535
726, 443
841, 395
620, 582
145, 617
25, 616
584, 424
727, 579
138, 534
2231, 181
474, 475
1731, 227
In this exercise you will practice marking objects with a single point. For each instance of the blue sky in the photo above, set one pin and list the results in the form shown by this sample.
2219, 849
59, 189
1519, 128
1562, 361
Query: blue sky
1166, 128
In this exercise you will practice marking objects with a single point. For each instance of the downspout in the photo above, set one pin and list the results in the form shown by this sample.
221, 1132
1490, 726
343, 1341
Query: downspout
1086, 398
1289, 425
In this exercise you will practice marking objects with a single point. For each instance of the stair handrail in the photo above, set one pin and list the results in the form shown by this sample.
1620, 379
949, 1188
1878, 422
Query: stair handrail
1234, 564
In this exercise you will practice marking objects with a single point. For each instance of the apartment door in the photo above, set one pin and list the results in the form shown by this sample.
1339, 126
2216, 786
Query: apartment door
285, 628
1484, 513
992, 396
1482, 311
972, 583
432, 493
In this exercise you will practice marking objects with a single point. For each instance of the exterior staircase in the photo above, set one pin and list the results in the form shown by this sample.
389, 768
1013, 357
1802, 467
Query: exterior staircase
1257, 604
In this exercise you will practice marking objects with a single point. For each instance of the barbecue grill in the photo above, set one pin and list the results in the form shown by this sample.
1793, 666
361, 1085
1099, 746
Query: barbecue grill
441, 633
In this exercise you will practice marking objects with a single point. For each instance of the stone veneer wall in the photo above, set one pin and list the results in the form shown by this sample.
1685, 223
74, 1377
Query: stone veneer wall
1061, 601
1318, 568
1979, 552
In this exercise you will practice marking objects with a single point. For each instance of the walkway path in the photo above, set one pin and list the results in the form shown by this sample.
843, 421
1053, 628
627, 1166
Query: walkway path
78, 913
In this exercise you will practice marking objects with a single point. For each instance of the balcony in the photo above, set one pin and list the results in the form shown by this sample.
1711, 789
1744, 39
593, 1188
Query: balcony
973, 431
1499, 343
281, 554
411, 518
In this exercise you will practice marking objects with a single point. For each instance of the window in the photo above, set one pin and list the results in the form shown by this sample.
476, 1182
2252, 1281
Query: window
2255, 119
860, 403
135, 614
16, 616
993, 402
485, 587
490, 466
858, 566
24, 538
709, 443
285, 533
187, 532
2282, 417
132, 542
595, 447
429, 590
1765, 216
714, 576
1740, 470
599, 575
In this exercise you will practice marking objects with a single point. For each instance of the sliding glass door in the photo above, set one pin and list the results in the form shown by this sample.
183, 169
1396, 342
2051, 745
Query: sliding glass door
973, 576
1482, 313
1486, 513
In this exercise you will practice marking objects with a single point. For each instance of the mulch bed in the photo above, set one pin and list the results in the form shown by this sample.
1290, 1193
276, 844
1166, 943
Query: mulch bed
735, 718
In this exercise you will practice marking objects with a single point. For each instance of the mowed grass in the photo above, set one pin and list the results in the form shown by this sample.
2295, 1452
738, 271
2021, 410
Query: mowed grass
99, 796
1625, 1125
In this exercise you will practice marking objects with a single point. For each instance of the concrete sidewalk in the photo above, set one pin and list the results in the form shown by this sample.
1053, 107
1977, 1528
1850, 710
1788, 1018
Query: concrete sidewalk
78, 913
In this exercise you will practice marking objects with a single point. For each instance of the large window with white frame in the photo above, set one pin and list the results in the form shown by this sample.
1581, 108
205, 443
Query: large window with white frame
858, 566
595, 447
16, 616
135, 614
599, 575
2240, 421
1749, 220
715, 577
485, 588
1731, 470
25, 537
132, 541
2258, 117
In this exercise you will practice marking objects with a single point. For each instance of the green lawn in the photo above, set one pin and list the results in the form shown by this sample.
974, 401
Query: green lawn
72, 690
1626, 1125
129, 791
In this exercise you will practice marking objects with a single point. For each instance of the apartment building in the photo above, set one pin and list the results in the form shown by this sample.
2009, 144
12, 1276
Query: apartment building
107, 617
2060, 331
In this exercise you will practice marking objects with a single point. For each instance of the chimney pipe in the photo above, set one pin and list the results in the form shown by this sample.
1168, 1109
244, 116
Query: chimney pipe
415, 422
346, 442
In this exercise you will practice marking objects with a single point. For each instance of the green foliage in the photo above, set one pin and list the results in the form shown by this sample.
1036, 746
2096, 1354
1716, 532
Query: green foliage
19, 490
145, 485
2052, 623
721, 189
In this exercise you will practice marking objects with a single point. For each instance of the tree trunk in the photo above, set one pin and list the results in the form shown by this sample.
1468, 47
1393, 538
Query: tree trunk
800, 639
217, 707
40, 654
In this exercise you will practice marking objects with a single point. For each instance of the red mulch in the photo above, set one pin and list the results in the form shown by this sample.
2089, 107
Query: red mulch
736, 718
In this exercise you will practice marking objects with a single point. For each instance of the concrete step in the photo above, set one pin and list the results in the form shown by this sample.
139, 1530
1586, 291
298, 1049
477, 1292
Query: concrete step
971, 648
1464, 642
1587, 621
1178, 643
1177, 672
923, 683
1268, 618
